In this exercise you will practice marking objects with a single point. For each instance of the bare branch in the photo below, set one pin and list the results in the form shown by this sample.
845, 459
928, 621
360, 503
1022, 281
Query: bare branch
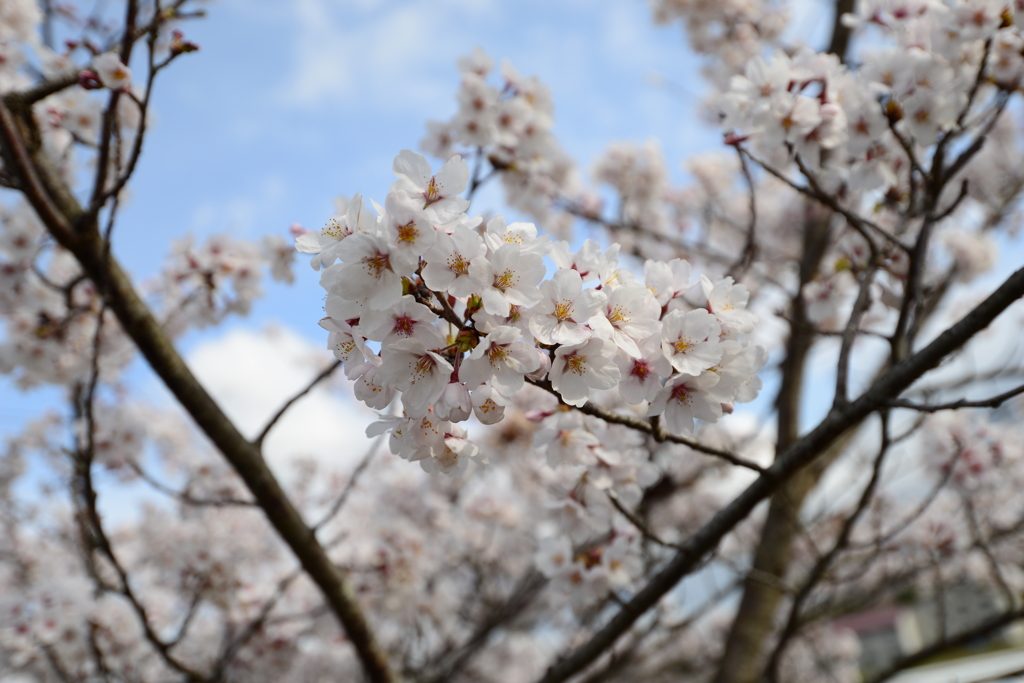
750, 247
58, 209
324, 374
186, 497
815, 575
993, 402
860, 306
857, 222
342, 498
640, 425
795, 457
636, 521
43, 89
923, 655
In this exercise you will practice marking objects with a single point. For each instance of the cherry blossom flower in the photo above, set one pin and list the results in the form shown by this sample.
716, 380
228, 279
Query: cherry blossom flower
369, 272
113, 74
690, 340
367, 387
419, 373
324, 244
454, 404
524, 234
728, 302
408, 230
501, 360
489, 404
685, 397
565, 309
640, 376
737, 371
435, 196
630, 314
452, 457
509, 278
348, 345
448, 261
667, 280
565, 440
406, 319
578, 369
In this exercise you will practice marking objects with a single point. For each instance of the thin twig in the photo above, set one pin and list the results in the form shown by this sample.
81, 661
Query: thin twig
339, 502
851, 330
636, 521
184, 496
640, 425
324, 374
993, 402
750, 247
799, 454
815, 575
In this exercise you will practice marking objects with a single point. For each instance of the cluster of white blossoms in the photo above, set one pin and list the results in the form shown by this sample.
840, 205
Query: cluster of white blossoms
50, 310
944, 65
464, 314
511, 127
730, 31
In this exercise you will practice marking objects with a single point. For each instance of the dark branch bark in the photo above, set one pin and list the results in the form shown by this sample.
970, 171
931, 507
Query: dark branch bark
59, 210
797, 456
741, 659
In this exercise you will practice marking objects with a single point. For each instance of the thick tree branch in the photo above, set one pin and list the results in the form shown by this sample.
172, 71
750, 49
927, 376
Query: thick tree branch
58, 214
788, 463
921, 656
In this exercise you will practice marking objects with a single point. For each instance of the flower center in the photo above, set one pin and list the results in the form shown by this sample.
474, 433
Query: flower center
345, 347
408, 233
563, 310
404, 325
640, 369
423, 367
619, 315
432, 193
497, 354
682, 395
505, 280
377, 263
576, 364
458, 265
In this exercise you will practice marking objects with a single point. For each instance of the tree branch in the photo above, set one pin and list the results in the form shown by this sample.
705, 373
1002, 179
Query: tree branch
58, 209
324, 374
993, 402
794, 458
640, 425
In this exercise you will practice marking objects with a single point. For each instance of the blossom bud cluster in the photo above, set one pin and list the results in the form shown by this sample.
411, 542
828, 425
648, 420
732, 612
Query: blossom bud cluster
50, 311
201, 284
511, 127
856, 123
463, 314
731, 32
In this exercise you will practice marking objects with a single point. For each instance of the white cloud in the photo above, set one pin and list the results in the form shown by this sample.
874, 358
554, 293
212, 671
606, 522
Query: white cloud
251, 374
389, 58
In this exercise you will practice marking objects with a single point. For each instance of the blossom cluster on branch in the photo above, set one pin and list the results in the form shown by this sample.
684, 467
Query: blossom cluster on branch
614, 513
464, 315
